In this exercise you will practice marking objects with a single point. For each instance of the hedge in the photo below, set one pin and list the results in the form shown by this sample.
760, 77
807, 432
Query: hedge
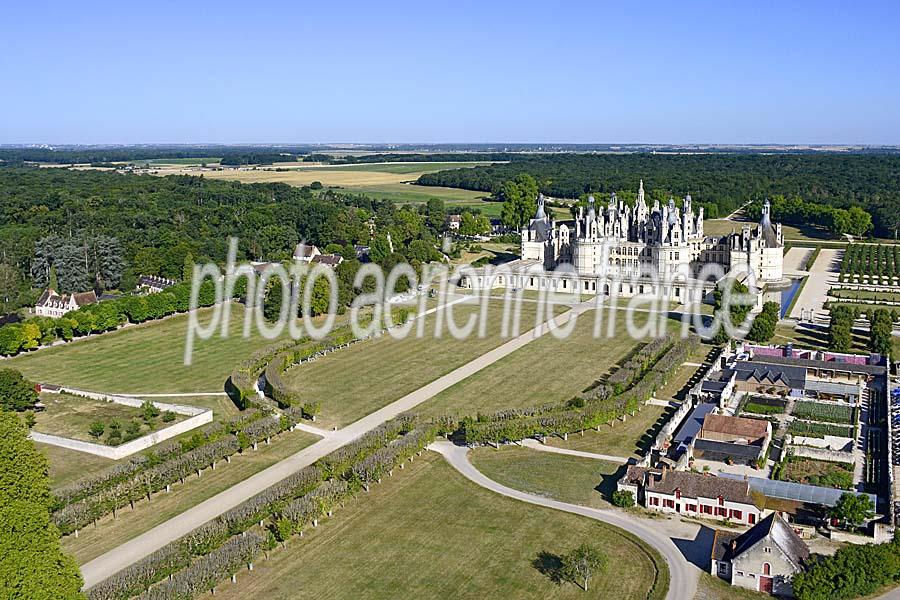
598, 406
194, 563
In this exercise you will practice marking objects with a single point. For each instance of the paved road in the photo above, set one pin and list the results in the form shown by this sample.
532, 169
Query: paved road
822, 276
138, 547
682, 575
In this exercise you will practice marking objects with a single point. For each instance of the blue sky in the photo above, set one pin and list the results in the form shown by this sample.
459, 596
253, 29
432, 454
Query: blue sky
643, 72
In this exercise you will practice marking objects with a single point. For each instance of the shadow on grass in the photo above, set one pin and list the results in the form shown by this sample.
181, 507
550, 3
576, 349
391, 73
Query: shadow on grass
549, 565
647, 438
608, 482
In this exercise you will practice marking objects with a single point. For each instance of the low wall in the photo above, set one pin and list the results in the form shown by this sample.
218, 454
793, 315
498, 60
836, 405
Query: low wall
196, 417
829, 442
128, 448
179, 409
822, 454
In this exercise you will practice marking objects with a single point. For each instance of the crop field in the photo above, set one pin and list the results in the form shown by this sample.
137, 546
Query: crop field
110, 532
818, 472
829, 413
355, 381
333, 176
573, 479
433, 534
566, 367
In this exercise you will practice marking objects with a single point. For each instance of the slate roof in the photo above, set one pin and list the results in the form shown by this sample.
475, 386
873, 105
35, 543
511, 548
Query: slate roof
728, 449
696, 485
332, 260
789, 375
749, 428
820, 364
780, 533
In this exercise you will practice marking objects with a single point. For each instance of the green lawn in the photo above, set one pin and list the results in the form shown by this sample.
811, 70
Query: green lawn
713, 588
429, 533
546, 370
571, 479
865, 295
109, 532
356, 381
631, 438
686, 376
67, 466
71, 417
147, 358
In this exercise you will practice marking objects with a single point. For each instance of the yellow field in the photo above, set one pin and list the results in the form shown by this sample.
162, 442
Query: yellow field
304, 174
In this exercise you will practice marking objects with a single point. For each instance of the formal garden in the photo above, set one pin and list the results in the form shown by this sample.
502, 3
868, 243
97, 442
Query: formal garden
877, 264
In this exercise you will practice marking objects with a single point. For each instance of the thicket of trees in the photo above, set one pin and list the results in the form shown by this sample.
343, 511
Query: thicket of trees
32, 565
763, 327
100, 229
871, 182
796, 211
16, 392
851, 572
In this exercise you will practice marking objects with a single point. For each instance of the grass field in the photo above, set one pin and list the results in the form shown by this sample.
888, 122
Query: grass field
68, 465
546, 370
713, 588
146, 359
109, 533
429, 533
71, 417
356, 381
864, 295
571, 479
631, 438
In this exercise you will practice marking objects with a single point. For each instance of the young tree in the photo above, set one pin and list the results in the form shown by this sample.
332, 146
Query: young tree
583, 563
16, 392
852, 509
33, 566
97, 429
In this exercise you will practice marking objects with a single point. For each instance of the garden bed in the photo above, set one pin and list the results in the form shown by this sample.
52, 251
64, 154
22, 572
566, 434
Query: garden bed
817, 472
828, 413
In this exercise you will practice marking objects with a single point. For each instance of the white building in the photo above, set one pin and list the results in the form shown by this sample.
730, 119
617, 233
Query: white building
660, 240
51, 304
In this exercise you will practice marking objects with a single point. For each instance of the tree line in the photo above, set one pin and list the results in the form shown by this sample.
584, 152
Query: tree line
104, 230
869, 181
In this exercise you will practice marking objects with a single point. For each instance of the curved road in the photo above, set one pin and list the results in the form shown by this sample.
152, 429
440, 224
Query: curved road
682, 575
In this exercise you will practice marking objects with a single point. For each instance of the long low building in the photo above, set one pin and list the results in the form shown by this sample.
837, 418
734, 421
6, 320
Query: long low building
693, 494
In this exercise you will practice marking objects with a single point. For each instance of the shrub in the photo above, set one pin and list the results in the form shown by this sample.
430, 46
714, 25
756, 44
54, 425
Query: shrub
623, 498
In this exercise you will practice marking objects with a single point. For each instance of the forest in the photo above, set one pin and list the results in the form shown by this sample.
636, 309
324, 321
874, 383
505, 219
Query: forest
100, 229
868, 181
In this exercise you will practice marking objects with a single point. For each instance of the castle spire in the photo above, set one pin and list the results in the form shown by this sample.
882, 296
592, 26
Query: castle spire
540, 214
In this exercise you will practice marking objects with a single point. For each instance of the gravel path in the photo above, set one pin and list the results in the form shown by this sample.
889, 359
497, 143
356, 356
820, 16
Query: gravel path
139, 547
682, 575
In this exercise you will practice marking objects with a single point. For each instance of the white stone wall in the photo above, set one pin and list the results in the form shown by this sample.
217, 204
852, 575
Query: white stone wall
128, 448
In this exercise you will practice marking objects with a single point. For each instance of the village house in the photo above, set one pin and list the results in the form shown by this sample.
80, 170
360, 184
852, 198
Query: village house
51, 304
306, 252
765, 558
736, 439
693, 494
453, 222
152, 284
329, 260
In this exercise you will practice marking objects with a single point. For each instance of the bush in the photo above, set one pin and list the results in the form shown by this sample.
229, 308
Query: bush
623, 499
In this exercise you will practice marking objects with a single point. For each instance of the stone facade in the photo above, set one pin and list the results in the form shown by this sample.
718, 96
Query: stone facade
659, 240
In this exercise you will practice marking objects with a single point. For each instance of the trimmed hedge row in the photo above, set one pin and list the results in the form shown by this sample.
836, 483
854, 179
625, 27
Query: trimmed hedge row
291, 504
596, 407
220, 442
